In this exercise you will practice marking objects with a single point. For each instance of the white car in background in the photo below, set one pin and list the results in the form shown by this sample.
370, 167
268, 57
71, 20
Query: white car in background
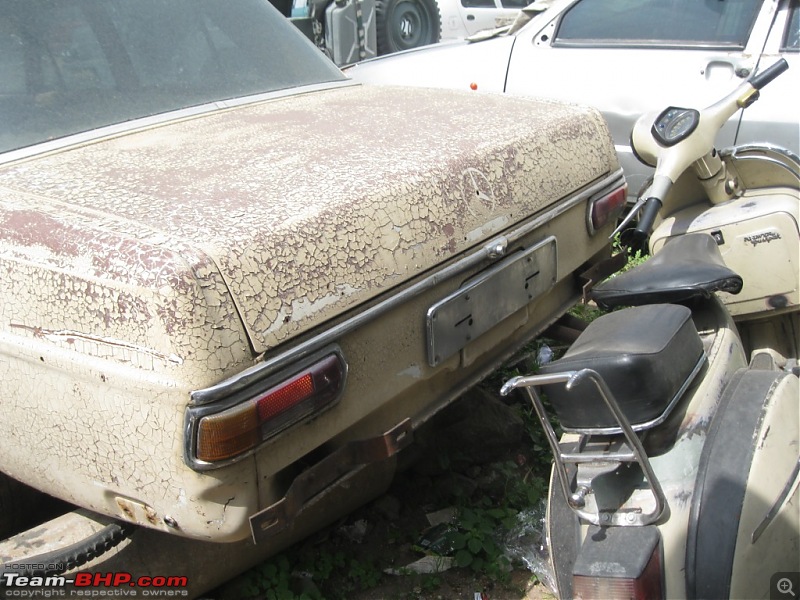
626, 57
463, 18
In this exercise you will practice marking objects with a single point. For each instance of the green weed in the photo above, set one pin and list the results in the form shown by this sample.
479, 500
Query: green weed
635, 256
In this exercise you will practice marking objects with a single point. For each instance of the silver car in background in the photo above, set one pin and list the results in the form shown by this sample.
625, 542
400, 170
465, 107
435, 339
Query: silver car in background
626, 57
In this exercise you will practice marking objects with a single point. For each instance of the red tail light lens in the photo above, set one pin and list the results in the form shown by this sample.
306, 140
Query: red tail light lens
648, 586
226, 434
606, 209
282, 398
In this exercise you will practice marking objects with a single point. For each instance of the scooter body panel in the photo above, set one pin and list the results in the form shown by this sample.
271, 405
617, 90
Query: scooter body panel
758, 235
563, 534
744, 519
777, 336
769, 527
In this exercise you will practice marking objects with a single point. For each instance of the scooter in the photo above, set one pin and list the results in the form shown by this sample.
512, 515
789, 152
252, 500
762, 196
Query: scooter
677, 472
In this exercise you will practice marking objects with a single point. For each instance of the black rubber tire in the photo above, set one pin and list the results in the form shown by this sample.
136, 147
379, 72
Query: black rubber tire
406, 24
73, 556
18, 505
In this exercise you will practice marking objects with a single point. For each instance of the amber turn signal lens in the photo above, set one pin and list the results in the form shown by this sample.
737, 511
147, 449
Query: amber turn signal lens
242, 427
227, 434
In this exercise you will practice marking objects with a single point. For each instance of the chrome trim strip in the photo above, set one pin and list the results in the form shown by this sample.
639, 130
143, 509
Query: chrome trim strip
259, 371
648, 45
741, 153
141, 123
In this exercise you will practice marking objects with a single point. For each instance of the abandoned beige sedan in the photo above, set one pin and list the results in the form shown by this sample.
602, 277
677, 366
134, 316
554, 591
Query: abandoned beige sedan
234, 282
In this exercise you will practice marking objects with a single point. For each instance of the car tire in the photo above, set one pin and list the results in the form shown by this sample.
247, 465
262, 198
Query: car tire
405, 24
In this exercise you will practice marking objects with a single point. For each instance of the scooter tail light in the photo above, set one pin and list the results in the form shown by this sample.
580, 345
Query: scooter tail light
605, 209
240, 428
647, 586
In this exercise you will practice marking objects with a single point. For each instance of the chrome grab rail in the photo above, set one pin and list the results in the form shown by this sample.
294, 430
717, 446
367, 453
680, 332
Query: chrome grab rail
576, 499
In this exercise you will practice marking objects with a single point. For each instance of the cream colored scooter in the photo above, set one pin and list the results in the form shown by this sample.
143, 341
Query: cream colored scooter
677, 472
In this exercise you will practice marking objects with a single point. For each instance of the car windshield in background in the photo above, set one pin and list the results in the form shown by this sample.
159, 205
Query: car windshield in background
710, 23
69, 66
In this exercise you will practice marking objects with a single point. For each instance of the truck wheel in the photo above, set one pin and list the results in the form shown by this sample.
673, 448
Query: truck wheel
404, 24
18, 504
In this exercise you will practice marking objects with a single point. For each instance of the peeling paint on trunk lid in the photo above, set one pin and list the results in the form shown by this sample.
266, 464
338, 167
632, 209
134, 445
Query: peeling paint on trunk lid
313, 204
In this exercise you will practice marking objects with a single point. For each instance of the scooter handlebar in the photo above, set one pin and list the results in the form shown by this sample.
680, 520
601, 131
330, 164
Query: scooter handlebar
649, 213
672, 161
767, 75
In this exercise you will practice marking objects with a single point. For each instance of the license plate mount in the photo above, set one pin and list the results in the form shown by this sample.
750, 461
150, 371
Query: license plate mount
481, 303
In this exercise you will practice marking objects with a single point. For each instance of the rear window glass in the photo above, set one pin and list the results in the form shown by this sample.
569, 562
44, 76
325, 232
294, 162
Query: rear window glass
68, 66
714, 23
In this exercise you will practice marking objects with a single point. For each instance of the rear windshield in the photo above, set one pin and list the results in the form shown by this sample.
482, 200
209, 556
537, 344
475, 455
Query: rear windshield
707, 23
68, 66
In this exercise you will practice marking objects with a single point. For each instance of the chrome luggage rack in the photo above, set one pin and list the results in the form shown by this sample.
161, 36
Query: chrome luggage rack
629, 450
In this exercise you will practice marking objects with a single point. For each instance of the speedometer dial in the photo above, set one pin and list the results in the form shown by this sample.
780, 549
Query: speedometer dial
675, 124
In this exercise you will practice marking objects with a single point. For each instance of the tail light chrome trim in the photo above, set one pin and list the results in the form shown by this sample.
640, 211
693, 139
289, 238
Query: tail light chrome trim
226, 431
605, 207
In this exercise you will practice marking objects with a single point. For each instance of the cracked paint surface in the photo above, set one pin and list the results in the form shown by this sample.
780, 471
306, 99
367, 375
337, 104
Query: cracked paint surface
143, 266
296, 196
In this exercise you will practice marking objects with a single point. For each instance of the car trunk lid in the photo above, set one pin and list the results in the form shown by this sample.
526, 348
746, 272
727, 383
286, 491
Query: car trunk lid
313, 204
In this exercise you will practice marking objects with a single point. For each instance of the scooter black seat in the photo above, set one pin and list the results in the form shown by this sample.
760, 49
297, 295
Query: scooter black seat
689, 266
647, 355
